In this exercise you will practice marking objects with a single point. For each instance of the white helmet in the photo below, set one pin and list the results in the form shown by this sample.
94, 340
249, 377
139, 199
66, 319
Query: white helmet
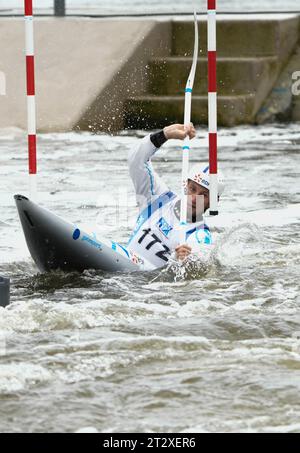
199, 173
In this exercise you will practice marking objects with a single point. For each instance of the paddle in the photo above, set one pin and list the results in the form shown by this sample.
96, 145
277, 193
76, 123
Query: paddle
186, 142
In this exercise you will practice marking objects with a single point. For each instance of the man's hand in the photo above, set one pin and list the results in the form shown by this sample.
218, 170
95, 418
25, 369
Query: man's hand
183, 251
179, 131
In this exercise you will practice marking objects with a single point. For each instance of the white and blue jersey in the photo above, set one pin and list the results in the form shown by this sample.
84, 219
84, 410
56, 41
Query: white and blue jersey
157, 231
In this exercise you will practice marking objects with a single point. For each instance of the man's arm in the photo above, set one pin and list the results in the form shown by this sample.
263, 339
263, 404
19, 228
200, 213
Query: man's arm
147, 183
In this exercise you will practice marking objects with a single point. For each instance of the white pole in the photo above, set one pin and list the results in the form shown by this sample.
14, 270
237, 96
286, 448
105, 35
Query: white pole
31, 109
212, 105
186, 142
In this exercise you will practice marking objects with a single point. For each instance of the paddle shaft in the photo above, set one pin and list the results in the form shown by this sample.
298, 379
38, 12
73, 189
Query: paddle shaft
186, 142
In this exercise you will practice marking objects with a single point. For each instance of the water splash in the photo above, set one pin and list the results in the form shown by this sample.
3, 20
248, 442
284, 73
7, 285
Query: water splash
236, 247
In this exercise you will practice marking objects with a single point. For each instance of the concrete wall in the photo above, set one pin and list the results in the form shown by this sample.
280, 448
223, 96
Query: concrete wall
295, 63
84, 68
281, 104
106, 112
87, 68
252, 49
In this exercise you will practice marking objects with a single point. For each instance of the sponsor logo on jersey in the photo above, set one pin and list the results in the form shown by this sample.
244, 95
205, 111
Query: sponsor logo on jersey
164, 227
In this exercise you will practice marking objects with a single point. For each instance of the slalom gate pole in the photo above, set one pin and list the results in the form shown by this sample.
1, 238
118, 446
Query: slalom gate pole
212, 106
31, 106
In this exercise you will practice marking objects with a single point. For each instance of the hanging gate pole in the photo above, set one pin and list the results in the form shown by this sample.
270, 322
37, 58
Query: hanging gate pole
212, 106
31, 106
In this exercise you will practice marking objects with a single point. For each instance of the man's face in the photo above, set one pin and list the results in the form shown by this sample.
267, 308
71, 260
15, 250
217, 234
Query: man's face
198, 198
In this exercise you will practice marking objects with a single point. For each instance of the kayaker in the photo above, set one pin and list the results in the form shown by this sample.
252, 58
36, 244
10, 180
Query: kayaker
156, 235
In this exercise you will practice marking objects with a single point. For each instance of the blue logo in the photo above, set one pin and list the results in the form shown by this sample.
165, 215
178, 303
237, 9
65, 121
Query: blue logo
76, 234
164, 227
91, 242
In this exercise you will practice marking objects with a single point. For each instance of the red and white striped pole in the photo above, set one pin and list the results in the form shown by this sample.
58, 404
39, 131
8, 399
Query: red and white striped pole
212, 105
31, 109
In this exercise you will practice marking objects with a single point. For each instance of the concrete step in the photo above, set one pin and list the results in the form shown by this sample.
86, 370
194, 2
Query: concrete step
235, 37
251, 52
168, 76
150, 112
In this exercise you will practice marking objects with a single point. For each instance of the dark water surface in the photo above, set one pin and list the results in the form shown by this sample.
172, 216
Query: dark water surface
211, 346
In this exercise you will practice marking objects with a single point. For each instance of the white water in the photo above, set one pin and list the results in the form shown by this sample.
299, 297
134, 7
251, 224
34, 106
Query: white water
211, 346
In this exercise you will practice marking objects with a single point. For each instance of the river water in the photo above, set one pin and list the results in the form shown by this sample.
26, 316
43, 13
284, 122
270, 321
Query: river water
210, 346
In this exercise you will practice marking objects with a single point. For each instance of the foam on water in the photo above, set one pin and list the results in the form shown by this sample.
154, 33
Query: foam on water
15, 378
